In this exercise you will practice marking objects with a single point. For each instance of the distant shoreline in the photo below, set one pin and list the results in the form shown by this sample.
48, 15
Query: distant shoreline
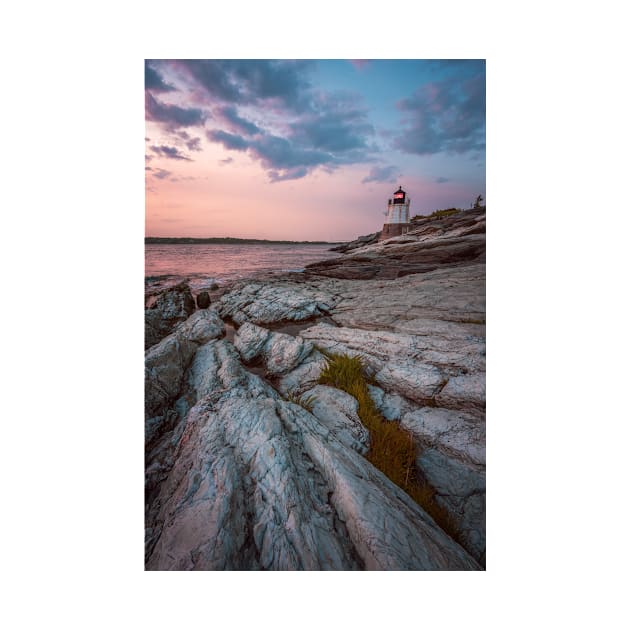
168, 240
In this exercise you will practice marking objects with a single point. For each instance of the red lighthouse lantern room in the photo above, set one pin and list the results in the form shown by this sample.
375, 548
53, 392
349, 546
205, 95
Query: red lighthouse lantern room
399, 195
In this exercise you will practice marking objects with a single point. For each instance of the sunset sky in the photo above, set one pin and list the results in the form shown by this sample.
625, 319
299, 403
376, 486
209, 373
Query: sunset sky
308, 150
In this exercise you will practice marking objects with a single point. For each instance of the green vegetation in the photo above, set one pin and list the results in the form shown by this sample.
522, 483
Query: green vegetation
437, 214
392, 449
307, 403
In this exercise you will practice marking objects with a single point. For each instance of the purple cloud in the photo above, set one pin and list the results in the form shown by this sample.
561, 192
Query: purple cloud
381, 174
153, 81
332, 132
172, 116
235, 122
172, 153
336, 124
252, 81
446, 116
161, 173
228, 140
192, 144
281, 158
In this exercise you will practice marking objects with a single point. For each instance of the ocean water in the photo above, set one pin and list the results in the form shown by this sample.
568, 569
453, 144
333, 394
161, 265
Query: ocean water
203, 264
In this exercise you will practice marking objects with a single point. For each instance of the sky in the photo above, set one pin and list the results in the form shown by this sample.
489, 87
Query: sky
308, 149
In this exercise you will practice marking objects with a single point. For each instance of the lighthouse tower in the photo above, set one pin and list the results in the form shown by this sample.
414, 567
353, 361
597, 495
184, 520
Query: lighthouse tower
397, 221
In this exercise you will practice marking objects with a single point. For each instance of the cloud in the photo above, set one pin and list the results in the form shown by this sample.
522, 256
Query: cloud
153, 81
279, 153
281, 158
252, 81
192, 144
447, 116
337, 124
235, 123
334, 131
161, 173
442, 180
228, 140
306, 129
291, 173
227, 160
172, 153
172, 116
381, 174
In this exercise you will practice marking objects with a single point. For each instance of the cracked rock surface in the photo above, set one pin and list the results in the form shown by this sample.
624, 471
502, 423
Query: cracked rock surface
260, 483
262, 303
170, 308
239, 477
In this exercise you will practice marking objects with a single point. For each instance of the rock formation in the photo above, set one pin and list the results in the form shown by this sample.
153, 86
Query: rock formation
203, 299
251, 464
169, 309
359, 242
431, 244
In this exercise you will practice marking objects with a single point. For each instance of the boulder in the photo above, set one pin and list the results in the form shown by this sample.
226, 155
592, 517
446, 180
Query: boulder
304, 376
170, 308
279, 352
203, 300
166, 364
264, 303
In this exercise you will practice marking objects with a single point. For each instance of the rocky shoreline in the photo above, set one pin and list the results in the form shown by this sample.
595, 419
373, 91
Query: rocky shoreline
241, 476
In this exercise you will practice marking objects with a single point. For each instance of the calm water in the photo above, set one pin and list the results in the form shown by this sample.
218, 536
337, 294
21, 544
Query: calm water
201, 265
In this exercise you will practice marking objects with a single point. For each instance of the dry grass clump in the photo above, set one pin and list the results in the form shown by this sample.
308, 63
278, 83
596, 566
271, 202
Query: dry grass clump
307, 403
392, 449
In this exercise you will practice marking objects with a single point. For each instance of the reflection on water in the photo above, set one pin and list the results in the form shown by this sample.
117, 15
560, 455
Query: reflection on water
203, 264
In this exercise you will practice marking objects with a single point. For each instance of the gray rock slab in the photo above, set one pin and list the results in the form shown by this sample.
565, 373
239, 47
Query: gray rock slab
264, 303
391, 406
304, 376
337, 411
461, 490
455, 433
167, 361
261, 483
170, 308
279, 352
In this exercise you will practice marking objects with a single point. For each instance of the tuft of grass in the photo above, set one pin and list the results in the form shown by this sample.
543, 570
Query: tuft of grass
392, 449
307, 403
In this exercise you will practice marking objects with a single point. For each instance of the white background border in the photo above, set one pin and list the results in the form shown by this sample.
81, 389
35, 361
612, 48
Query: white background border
557, 323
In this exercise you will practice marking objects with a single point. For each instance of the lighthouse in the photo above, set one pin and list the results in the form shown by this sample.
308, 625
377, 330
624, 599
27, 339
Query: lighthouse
397, 221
